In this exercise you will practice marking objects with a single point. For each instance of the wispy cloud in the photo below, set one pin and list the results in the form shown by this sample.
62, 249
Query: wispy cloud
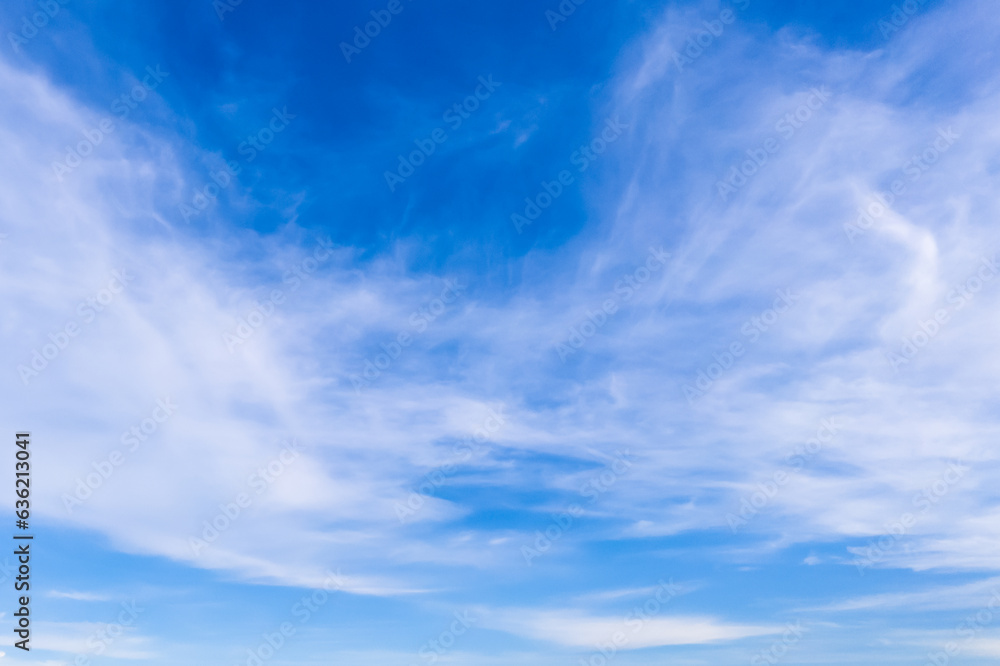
576, 630
443, 370
78, 596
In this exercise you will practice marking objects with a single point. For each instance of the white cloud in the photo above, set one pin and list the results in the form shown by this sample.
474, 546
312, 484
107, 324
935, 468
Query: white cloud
164, 337
91, 638
576, 630
969, 595
78, 596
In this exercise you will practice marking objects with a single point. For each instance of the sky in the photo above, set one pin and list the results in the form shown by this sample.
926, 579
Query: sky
403, 333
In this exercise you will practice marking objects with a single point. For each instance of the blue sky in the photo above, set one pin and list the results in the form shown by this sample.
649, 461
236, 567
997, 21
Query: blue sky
666, 339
